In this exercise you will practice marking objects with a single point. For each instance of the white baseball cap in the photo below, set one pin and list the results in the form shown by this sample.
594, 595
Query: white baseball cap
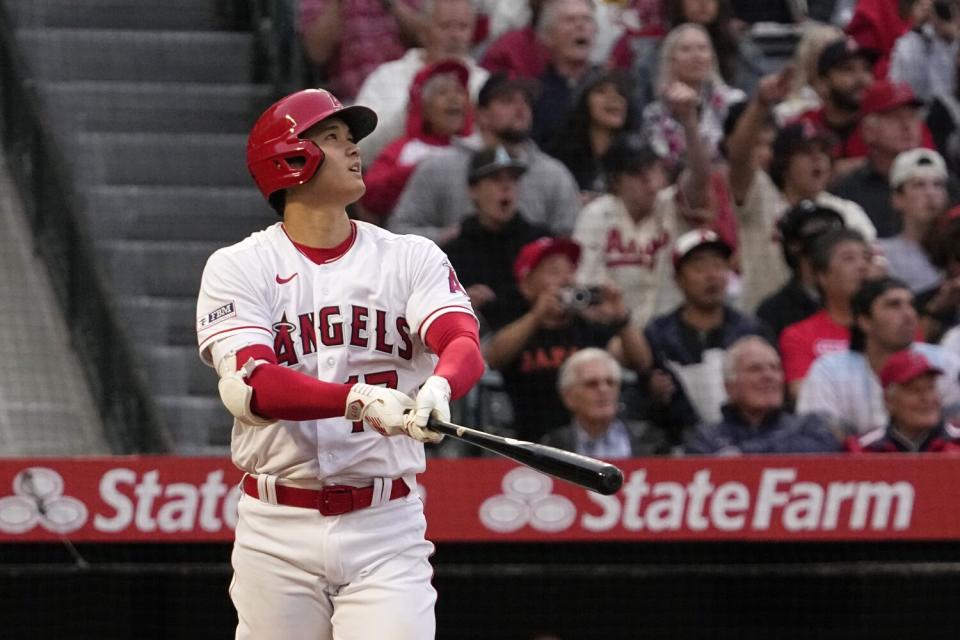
917, 163
693, 240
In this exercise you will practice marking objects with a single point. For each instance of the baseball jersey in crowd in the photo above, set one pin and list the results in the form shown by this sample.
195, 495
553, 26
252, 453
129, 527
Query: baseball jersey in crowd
907, 261
630, 439
634, 255
792, 303
483, 256
945, 438
695, 358
764, 269
345, 320
805, 341
780, 432
531, 379
844, 386
436, 196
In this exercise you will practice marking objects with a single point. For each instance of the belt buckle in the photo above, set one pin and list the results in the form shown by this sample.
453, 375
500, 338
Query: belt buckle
335, 501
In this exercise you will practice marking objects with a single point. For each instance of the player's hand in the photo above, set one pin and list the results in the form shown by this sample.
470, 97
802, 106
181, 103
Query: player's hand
381, 408
432, 400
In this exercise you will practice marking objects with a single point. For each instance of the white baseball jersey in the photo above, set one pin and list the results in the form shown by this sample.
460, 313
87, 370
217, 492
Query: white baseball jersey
634, 255
359, 317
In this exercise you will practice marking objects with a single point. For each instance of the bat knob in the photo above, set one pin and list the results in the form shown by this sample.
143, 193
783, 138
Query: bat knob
611, 479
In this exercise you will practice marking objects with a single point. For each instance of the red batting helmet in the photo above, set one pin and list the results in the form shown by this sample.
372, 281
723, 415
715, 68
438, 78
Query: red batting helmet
275, 137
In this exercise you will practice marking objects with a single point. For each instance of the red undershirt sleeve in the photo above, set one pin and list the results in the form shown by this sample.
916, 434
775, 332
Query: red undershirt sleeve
453, 336
280, 393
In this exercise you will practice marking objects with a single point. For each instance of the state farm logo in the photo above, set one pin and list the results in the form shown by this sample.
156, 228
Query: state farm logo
38, 499
527, 500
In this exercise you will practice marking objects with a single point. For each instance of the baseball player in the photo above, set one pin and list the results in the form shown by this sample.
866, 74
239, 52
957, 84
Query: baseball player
335, 341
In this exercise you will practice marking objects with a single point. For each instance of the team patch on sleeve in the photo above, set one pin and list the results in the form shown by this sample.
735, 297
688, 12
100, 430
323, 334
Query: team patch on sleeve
228, 310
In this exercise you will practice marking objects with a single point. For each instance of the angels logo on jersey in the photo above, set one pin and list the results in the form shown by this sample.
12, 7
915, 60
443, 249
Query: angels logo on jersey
632, 253
452, 279
365, 329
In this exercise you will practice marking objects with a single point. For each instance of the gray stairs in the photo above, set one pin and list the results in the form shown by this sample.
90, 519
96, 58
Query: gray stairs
152, 102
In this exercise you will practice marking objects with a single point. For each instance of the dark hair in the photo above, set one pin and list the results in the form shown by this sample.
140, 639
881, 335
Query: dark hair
942, 241
726, 44
862, 301
822, 248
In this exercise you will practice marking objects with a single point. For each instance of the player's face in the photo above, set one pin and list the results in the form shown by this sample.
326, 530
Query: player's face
607, 106
921, 199
758, 378
893, 321
848, 268
808, 170
495, 198
703, 278
594, 397
339, 177
915, 405
445, 103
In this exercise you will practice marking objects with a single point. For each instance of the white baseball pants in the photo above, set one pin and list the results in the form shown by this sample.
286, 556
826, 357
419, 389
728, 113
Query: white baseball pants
364, 575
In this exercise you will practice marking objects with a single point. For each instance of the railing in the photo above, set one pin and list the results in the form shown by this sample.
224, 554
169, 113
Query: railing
40, 172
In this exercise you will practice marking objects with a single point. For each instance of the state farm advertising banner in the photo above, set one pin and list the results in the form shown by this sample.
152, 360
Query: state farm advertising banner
175, 499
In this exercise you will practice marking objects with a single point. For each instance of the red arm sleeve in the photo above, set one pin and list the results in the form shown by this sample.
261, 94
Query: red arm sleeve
453, 336
280, 393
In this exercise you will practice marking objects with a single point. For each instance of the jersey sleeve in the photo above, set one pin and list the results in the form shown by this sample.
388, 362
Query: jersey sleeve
232, 310
434, 288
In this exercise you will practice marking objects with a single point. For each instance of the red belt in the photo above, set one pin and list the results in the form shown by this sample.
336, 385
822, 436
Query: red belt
329, 501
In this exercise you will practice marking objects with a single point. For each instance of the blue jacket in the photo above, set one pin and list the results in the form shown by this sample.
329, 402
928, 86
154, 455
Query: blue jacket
780, 432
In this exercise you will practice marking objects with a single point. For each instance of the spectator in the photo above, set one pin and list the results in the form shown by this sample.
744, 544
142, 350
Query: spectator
840, 260
916, 421
799, 298
568, 28
844, 73
598, 116
436, 198
803, 97
924, 56
447, 28
943, 120
336, 37
519, 52
799, 170
846, 384
439, 109
589, 386
754, 418
529, 351
740, 62
940, 306
877, 24
689, 342
918, 180
688, 57
491, 238
627, 233
891, 125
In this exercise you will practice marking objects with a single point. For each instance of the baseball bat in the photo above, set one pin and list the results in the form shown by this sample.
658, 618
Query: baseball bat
590, 473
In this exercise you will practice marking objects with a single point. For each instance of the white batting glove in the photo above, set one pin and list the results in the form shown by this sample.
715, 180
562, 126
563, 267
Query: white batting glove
432, 400
381, 408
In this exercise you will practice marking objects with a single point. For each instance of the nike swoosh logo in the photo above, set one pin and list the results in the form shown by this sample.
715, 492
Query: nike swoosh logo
285, 280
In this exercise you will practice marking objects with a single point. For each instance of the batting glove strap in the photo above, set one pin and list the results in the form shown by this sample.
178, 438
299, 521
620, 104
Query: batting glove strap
381, 408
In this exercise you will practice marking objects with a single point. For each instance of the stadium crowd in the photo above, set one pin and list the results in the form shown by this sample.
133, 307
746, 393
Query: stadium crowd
673, 243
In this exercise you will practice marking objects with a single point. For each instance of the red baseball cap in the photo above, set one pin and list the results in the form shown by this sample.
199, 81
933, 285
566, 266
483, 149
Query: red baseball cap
904, 366
533, 253
884, 95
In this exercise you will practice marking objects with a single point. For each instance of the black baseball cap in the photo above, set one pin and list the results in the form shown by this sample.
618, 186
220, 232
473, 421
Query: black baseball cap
800, 135
839, 51
807, 219
502, 83
488, 161
628, 153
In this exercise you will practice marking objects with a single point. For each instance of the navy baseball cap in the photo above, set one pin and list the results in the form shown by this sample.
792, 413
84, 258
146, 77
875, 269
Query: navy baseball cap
840, 51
